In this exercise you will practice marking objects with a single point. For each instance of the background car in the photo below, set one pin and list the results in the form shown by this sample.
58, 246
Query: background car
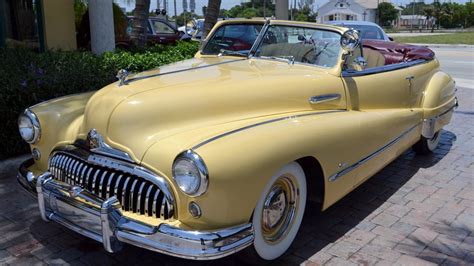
368, 30
159, 31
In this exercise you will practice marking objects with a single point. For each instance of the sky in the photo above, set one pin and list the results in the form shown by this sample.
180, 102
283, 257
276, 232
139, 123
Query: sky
227, 4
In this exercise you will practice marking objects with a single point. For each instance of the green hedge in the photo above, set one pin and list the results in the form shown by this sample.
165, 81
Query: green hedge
27, 78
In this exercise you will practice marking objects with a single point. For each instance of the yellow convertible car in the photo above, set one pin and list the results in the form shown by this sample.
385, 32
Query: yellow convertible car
205, 157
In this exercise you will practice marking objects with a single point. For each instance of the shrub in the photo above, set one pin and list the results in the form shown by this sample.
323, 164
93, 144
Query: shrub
27, 78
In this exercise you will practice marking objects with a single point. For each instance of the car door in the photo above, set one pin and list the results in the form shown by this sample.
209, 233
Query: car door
388, 123
163, 33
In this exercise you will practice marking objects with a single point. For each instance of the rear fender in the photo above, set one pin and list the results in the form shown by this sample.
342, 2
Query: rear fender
438, 103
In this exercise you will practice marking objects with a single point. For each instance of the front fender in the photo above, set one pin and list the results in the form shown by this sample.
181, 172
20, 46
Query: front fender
241, 161
60, 120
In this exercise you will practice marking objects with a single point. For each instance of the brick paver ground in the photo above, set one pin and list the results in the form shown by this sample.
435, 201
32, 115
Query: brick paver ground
419, 210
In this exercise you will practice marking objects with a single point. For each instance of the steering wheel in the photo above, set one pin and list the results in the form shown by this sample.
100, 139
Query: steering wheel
311, 58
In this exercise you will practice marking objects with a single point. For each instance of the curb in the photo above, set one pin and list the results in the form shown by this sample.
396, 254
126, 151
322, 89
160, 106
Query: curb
440, 45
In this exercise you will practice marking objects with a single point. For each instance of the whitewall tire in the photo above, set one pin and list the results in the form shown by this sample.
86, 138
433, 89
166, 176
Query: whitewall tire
427, 146
279, 212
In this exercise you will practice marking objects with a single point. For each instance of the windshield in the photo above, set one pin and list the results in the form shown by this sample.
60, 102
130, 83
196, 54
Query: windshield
235, 38
299, 44
368, 32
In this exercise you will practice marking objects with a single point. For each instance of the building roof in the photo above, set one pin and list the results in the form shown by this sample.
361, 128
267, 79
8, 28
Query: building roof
371, 4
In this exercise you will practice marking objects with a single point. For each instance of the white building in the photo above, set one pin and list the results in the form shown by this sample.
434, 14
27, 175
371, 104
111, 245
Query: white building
361, 10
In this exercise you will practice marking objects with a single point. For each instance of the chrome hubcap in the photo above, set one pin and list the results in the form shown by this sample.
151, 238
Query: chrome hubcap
279, 208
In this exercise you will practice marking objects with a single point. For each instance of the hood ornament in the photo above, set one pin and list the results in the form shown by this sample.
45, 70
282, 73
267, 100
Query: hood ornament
122, 75
96, 143
95, 140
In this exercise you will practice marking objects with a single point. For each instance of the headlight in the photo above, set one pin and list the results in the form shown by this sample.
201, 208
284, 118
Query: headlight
29, 127
190, 173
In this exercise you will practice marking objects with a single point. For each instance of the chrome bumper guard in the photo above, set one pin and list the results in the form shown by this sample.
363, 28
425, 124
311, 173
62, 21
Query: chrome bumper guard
102, 220
430, 125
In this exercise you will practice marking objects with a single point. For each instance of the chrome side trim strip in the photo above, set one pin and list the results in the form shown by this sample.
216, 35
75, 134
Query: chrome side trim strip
335, 176
181, 70
260, 124
324, 98
386, 68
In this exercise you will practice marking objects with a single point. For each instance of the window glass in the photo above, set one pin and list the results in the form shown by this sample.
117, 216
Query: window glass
233, 37
368, 32
161, 27
305, 45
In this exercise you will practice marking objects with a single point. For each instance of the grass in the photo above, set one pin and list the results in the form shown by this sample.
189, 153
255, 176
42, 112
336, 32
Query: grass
454, 38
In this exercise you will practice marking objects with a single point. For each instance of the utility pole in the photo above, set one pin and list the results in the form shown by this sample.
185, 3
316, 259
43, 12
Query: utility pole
264, 8
412, 16
175, 15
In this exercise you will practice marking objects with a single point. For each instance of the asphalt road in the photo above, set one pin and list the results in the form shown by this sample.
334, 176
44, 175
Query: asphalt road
459, 63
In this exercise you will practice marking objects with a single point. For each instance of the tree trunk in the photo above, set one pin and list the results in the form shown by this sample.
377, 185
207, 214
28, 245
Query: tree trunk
139, 26
211, 16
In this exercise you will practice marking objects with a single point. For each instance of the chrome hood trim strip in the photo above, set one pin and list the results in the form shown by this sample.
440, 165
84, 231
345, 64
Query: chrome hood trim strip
126, 82
260, 124
346, 170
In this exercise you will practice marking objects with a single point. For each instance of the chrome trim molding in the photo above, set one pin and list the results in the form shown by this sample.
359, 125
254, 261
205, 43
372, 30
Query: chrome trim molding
386, 68
36, 125
103, 221
346, 170
429, 124
132, 79
96, 144
192, 156
260, 124
324, 98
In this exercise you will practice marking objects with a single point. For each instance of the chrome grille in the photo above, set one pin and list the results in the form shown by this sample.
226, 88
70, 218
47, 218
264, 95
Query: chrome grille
136, 194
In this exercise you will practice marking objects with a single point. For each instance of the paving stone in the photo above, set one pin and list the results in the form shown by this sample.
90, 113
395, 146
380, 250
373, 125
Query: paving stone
406, 260
343, 249
423, 235
385, 219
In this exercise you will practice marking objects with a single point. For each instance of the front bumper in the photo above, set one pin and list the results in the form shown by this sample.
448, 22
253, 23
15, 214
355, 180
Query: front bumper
102, 220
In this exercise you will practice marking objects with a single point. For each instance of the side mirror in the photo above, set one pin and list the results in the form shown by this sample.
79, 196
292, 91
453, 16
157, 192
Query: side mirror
391, 39
301, 38
350, 40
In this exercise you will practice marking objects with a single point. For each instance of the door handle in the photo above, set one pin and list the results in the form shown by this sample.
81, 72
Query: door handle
324, 98
409, 77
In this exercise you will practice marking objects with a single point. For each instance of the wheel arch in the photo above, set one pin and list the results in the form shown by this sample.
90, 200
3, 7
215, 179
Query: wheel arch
314, 179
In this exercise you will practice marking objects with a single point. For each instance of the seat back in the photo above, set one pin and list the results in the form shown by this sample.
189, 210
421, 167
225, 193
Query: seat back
374, 58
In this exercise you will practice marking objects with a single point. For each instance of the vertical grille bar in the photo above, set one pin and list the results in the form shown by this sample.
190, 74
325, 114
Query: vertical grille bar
134, 192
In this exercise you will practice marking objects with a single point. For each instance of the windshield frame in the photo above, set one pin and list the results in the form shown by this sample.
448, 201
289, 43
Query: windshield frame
259, 42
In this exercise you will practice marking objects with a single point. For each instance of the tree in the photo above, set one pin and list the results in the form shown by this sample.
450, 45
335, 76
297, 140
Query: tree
387, 13
304, 13
139, 26
211, 16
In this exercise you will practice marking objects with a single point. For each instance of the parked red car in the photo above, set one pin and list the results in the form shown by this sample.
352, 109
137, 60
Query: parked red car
159, 31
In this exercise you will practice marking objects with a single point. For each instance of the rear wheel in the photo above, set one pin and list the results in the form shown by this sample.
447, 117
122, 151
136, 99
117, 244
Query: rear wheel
279, 212
427, 146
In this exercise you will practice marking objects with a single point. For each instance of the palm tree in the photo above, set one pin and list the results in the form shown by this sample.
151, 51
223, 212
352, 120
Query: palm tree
211, 16
139, 26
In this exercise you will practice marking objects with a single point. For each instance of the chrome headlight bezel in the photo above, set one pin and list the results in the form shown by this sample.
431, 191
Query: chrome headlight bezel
35, 126
202, 175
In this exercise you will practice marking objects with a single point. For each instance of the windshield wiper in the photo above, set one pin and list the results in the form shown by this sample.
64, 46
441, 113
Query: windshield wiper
287, 58
230, 52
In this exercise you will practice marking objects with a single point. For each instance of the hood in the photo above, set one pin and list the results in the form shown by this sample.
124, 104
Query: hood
196, 93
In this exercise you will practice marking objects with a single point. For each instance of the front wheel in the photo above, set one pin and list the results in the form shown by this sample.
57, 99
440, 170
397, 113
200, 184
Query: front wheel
427, 146
279, 212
